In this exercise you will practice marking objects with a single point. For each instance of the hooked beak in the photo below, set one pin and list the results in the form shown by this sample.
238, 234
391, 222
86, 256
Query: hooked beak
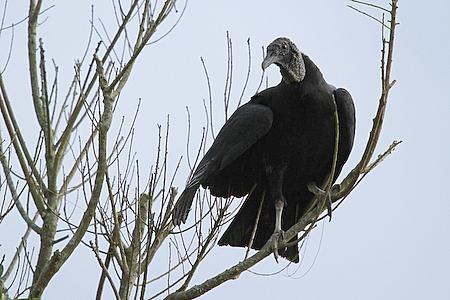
270, 58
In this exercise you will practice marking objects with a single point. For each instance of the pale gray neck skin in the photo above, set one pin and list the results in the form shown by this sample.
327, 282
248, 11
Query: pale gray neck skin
295, 71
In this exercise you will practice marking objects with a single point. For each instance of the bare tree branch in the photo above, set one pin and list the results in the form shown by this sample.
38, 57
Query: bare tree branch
21, 150
59, 258
12, 188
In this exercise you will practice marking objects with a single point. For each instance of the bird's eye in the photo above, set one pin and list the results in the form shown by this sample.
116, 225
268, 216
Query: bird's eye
284, 46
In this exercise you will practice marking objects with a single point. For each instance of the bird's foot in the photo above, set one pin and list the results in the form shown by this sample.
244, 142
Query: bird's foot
336, 188
276, 238
313, 188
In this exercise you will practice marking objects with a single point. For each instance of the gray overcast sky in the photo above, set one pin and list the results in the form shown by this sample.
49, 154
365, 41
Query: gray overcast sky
391, 237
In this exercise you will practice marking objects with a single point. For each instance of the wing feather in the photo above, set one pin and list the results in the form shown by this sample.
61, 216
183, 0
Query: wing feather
347, 123
244, 128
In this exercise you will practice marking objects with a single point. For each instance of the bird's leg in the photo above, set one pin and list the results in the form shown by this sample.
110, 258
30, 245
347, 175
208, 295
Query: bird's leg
278, 233
279, 205
275, 184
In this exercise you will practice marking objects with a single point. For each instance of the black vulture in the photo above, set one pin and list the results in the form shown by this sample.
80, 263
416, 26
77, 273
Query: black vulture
271, 148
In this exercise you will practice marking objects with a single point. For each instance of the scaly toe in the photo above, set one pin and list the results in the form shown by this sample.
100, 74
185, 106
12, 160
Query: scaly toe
313, 188
274, 240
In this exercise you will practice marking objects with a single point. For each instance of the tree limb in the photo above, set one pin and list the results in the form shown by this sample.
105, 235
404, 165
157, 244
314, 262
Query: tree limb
58, 258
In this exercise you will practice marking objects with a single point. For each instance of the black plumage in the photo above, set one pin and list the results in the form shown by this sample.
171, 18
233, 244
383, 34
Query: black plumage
271, 147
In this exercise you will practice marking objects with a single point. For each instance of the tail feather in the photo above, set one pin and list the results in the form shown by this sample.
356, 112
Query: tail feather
184, 202
183, 205
239, 233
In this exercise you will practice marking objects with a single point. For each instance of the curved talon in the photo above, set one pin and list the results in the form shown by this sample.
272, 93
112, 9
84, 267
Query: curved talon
328, 203
313, 188
274, 240
336, 188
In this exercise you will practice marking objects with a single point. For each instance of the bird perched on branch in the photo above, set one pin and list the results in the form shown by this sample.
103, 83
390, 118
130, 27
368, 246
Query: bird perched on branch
271, 148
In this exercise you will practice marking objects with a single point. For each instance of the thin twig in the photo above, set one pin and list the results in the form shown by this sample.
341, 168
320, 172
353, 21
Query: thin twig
371, 5
368, 15
105, 270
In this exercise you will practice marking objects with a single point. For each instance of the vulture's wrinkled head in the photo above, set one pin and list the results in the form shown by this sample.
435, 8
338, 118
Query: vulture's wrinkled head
285, 55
